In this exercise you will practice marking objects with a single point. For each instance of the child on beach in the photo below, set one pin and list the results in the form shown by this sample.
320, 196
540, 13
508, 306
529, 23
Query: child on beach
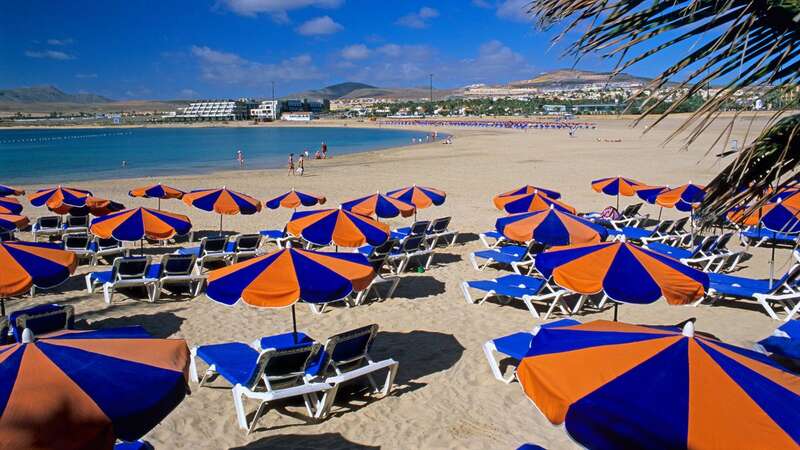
291, 164
301, 165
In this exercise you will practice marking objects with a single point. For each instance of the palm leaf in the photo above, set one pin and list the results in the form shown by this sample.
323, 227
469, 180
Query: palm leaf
733, 43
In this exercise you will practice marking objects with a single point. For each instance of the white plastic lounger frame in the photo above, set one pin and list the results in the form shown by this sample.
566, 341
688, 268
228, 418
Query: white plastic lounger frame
490, 350
124, 281
192, 279
553, 299
484, 237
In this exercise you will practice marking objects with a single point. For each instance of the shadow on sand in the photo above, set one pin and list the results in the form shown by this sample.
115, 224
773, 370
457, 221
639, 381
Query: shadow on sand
330, 441
415, 287
160, 325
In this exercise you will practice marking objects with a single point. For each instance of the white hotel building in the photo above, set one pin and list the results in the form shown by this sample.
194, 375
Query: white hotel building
218, 110
266, 110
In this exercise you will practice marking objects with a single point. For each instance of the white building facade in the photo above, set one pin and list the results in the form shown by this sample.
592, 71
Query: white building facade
267, 110
218, 110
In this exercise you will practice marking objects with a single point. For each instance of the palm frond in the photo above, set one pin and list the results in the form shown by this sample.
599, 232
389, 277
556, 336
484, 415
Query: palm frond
733, 43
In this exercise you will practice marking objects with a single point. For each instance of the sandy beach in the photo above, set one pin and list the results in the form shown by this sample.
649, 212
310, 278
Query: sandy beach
445, 396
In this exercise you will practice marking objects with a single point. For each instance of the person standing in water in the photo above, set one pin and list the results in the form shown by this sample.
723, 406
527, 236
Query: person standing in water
240, 158
324, 150
291, 164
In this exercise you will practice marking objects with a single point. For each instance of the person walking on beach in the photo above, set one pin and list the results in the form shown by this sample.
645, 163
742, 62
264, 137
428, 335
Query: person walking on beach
301, 165
324, 150
291, 164
240, 158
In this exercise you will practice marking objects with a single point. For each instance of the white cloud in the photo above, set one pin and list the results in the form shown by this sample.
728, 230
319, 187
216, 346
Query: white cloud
319, 26
515, 10
188, 93
84, 76
408, 64
67, 41
278, 9
418, 19
357, 51
48, 54
229, 68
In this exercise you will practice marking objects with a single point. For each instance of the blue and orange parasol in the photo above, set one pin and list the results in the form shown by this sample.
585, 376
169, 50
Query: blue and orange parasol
13, 222
28, 264
159, 191
86, 389
58, 197
616, 385
528, 189
550, 227
419, 196
683, 198
535, 201
338, 226
380, 206
10, 205
294, 199
141, 223
223, 202
286, 276
623, 272
617, 186
10, 190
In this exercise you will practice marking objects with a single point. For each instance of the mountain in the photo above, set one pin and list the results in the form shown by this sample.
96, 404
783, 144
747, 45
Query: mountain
332, 92
47, 94
570, 77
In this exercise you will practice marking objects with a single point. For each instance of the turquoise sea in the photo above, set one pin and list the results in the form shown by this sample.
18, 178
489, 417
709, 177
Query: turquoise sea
60, 155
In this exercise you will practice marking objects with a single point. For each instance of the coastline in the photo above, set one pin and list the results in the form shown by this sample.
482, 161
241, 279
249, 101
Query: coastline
427, 326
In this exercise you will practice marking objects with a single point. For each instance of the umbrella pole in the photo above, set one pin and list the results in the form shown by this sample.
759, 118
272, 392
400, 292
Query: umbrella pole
220, 224
294, 325
3, 307
659, 213
159, 203
141, 246
617, 201
772, 266
616, 305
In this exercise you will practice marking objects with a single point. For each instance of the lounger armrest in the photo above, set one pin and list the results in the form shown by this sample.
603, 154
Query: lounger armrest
548, 296
362, 371
778, 297
278, 394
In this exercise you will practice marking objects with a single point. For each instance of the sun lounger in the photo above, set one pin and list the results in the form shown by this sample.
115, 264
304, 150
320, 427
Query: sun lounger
242, 247
211, 249
78, 243
124, 273
516, 347
281, 372
492, 239
6, 235
106, 248
76, 224
518, 287
439, 231
176, 270
47, 226
417, 228
135, 445
629, 217
385, 275
710, 253
784, 291
784, 342
42, 319
758, 236
662, 231
277, 237
516, 256
346, 358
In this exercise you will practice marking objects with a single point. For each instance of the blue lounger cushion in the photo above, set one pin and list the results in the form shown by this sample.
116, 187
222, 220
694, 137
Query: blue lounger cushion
515, 286
235, 361
40, 325
636, 233
530, 447
782, 346
494, 234
675, 252
189, 251
517, 345
287, 341
759, 233
273, 234
104, 276
136, 445
507, 254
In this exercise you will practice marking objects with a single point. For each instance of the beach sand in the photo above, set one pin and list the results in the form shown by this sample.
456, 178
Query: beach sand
445, 396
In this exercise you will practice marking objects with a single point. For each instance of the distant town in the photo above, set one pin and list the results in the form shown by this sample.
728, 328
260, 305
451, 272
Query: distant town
566, 92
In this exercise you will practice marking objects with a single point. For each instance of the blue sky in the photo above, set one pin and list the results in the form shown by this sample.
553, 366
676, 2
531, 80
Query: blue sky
228, 48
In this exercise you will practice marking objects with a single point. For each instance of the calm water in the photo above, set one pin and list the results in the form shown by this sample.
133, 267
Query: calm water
52, 156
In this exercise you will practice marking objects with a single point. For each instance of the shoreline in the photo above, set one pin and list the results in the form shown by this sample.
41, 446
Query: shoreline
267, 167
